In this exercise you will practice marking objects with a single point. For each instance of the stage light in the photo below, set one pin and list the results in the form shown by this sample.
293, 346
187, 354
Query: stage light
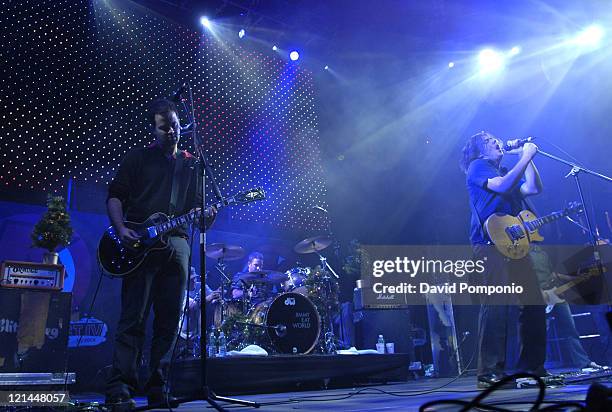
205, 22
275, 48
514, 51
451, 65
241, 33
490, 61
294, 55
590, 37
326, 67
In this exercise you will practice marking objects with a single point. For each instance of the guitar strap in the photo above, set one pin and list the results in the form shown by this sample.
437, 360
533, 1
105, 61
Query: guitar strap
176, 182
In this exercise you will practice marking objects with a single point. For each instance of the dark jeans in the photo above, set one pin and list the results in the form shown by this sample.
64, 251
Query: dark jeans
159, 283
494, 311
574, 354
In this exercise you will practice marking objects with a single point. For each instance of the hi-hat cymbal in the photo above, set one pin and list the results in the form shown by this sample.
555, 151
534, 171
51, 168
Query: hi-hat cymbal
224, 251
262, 276
313, 244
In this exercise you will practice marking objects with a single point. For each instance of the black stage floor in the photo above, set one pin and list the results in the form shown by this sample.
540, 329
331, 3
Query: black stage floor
404, 396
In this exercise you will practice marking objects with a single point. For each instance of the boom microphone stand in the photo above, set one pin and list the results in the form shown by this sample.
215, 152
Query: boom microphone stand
575, 172
206, 394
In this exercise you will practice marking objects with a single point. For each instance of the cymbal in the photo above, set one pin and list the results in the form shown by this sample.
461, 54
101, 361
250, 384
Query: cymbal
313, 244
224, 251
262, 276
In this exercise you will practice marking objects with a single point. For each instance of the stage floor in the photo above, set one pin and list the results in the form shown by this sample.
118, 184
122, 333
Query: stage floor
404, 396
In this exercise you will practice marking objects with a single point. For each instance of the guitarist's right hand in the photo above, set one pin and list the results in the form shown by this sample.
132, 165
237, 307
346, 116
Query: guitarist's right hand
127, 235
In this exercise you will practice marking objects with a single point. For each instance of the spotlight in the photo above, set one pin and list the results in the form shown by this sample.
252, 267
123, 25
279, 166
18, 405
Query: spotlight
590, 37
275, 48
451, 65
205, 22
490, 61
326, 67
241, 33
294, 55
514, 51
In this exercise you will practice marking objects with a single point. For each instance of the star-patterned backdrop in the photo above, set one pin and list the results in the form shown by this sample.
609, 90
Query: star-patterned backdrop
77, 77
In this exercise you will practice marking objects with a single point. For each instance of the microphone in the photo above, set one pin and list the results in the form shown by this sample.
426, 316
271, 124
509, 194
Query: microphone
176, 96
519, 143
280, 330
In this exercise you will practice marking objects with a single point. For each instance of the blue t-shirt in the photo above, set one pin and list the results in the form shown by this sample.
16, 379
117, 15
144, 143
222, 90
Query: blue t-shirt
485, 201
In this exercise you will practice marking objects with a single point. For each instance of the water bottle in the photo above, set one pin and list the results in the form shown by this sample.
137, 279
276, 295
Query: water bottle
380, 345
222, 344
211, 347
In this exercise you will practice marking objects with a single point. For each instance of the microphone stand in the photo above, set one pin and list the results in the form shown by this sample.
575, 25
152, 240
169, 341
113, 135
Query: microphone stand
206, 394
575, 172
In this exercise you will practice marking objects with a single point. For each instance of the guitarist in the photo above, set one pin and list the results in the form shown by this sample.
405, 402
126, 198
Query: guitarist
142, 186
574, 353
492, 191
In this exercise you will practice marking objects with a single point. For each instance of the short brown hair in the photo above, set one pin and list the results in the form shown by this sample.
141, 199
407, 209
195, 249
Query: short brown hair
161, 106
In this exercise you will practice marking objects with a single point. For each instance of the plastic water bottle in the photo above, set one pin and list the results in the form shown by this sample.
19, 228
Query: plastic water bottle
211, 347
222, 344
380, 345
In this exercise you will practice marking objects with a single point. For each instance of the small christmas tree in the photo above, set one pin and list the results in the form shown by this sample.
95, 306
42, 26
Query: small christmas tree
54, 227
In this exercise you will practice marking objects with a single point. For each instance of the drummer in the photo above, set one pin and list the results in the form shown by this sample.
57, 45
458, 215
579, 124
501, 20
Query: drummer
254, 264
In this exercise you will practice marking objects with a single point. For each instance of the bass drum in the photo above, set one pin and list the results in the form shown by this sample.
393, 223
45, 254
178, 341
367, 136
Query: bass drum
293, 323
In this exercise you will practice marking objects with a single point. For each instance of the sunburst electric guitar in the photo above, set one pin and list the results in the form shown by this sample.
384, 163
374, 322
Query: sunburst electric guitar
512, 235
119, 259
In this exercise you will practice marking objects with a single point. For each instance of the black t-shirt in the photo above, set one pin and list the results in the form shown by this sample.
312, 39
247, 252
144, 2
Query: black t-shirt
485, 201
144, 184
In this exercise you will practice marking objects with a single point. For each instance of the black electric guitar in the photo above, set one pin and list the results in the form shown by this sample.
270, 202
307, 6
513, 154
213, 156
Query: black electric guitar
119, 259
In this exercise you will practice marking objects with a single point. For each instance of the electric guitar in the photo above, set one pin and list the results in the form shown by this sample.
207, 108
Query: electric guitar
552, 296
119, 259
512, 235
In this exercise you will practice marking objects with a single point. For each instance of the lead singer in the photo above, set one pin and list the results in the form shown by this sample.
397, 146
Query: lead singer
492, 191
143, 186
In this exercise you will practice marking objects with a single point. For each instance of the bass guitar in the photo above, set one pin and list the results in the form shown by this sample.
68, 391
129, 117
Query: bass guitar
512, 235
119, 259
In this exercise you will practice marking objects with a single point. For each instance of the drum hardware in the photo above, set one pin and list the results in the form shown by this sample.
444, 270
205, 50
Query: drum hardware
315, 245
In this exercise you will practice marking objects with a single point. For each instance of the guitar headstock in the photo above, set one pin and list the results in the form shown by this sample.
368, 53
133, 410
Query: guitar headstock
248, 196
573, 207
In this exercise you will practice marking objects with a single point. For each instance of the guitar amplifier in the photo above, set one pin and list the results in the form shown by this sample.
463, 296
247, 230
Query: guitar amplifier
31, 275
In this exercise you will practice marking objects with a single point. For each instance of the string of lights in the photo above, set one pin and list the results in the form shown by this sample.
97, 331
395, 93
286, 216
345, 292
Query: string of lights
78, 77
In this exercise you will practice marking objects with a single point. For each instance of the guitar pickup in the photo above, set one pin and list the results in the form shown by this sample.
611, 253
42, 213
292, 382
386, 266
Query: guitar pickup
152, 232
515, 232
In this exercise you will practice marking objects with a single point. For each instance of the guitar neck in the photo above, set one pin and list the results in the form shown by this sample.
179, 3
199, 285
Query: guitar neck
187, 218
537, 223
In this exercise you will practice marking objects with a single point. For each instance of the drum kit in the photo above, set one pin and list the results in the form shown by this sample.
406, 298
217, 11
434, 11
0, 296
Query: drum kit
285, 313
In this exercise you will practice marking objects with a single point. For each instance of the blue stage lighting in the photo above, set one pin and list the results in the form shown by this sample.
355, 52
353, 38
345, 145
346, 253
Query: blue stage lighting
275, 47
490, 61
590, 37
241, 33
205, 22
294, 55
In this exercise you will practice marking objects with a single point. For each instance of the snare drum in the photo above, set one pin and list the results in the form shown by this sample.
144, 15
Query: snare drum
292, 322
